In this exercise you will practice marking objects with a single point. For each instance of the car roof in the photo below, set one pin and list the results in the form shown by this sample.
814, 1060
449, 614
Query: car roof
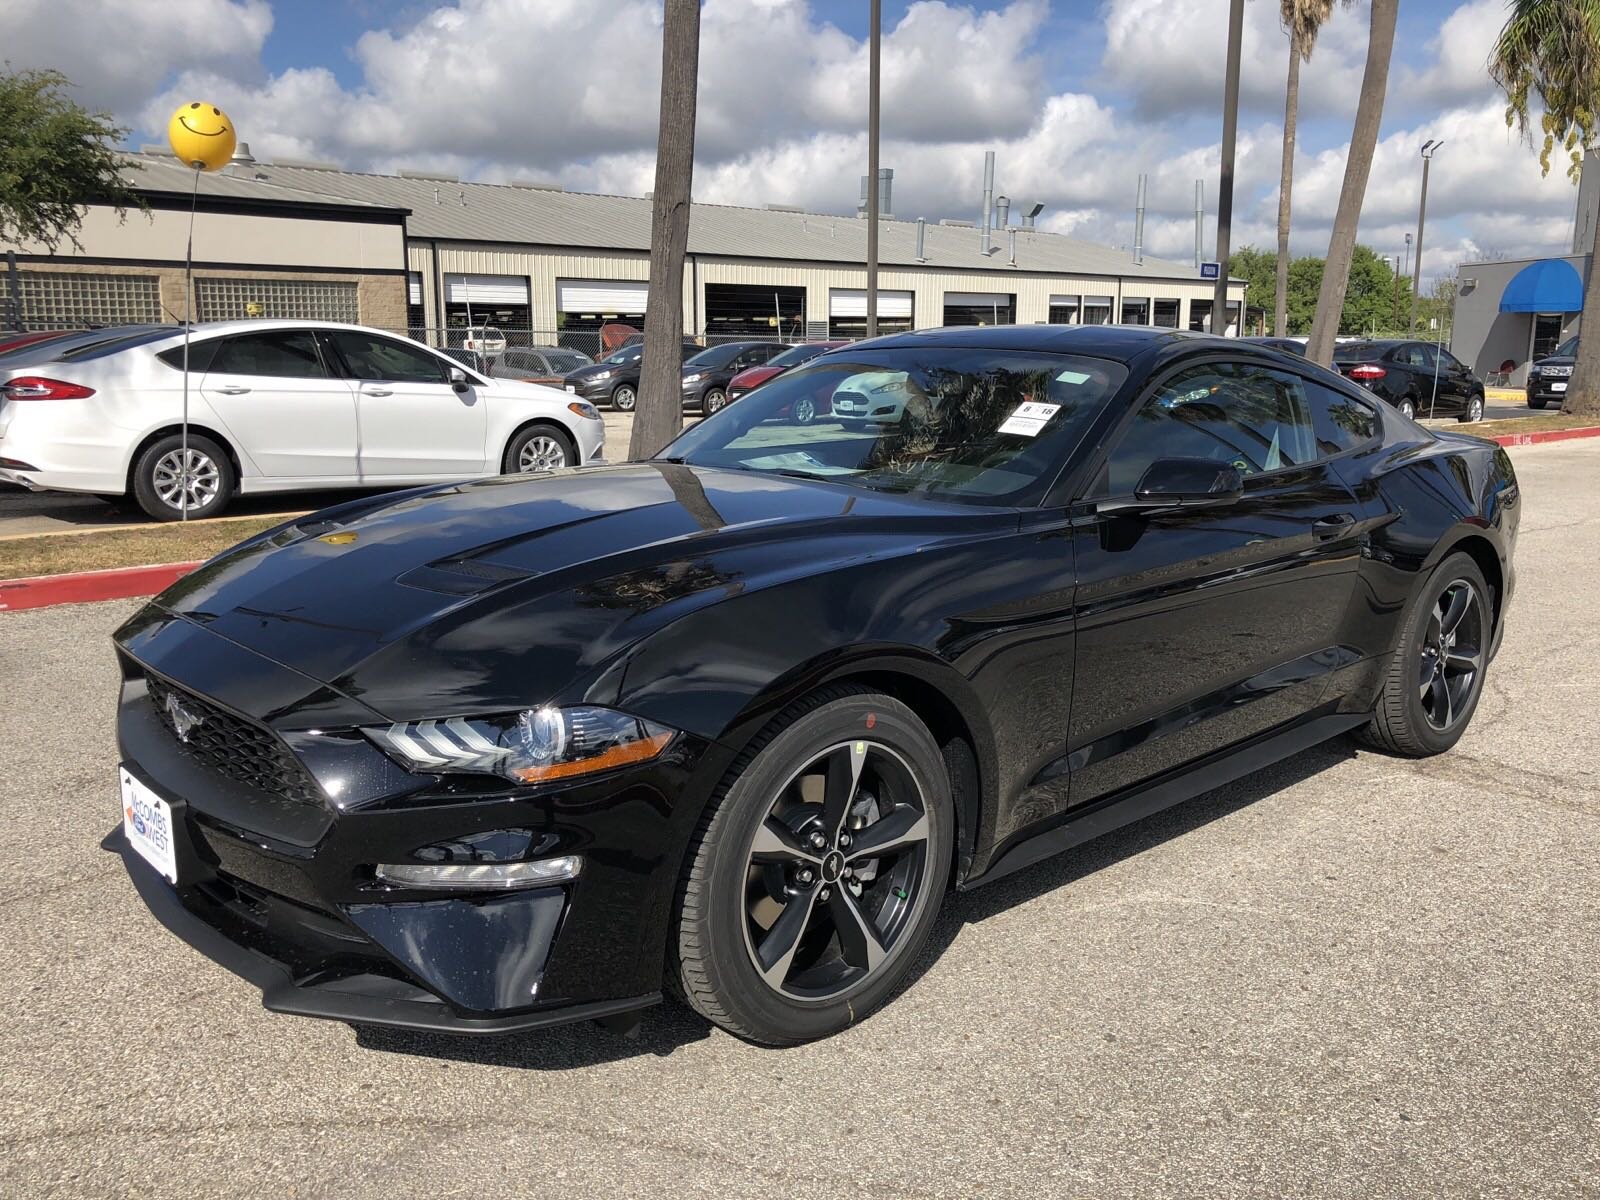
1120, 343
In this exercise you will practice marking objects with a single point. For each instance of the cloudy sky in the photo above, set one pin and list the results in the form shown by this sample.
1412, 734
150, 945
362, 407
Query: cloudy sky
1076, 96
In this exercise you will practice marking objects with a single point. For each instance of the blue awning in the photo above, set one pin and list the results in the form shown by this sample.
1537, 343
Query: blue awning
1547, 286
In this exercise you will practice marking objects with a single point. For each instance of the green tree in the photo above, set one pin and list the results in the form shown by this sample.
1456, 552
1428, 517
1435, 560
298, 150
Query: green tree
1256, 267
55, 157
1547, 58
1357, 168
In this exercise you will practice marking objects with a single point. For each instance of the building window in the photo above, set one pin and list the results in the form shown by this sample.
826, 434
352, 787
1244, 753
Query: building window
74, 300
979, 308
1167, 314
1064, 310
1135, 311
1097, 310
1200, 315
278, 299
1546, 334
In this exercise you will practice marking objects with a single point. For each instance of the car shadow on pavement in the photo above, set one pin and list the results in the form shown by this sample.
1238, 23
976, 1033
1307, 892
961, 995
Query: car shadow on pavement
666, 1027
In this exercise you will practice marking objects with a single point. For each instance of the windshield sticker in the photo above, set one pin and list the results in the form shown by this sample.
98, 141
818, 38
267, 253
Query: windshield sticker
1072, 377
1029, 418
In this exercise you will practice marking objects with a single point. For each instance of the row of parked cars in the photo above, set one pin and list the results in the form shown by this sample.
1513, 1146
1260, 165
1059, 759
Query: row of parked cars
712, 376
1416, 377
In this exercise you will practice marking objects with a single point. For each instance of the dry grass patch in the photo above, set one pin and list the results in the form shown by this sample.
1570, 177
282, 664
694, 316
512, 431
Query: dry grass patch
1494, 429
55, 554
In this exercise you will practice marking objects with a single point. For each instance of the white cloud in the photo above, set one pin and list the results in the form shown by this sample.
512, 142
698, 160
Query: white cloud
116, 53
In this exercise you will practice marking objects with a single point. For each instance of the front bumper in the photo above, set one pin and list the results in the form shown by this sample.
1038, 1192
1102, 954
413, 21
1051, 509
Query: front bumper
593, 390
1545, 389
281, 891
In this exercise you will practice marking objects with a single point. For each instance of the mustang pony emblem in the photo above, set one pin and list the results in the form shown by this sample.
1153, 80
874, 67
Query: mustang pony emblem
184, 719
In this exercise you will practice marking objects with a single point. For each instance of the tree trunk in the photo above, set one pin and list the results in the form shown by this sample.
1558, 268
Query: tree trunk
1357, 167
1291, 113
1583, 392
658, 418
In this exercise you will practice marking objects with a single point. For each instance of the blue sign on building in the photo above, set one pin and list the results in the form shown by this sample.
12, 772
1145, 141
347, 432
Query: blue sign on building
1210, 270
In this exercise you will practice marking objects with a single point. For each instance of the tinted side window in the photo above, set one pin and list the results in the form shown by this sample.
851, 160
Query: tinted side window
1411, 356
200, 354
282, 354
379, 358
1342, 422
1237, 413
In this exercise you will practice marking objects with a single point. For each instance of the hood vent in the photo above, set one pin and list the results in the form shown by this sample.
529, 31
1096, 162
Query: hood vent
462, 576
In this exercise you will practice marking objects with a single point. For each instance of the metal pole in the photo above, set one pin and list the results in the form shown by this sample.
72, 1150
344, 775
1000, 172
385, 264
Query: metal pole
188, 324
1230, 128
1428, 149
1199, 223
874, 55
1138, 223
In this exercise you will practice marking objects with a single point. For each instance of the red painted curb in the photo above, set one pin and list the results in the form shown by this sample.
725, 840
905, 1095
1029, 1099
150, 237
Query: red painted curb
1547, 435
84, 587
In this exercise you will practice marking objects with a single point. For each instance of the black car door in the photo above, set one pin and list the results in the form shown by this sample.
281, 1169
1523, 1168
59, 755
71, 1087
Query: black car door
1201, 627
1463, 385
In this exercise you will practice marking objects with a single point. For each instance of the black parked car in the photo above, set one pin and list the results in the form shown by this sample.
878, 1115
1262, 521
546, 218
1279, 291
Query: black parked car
707, 374
733, 721
1418, 378
614, 380
1548, 377
1286, 344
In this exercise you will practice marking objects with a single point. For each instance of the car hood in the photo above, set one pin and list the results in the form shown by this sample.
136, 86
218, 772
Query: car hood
506, 590
751, 376
592, 370
1555, 360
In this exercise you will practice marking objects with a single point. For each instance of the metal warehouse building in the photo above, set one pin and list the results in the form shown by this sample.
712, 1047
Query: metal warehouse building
552, 267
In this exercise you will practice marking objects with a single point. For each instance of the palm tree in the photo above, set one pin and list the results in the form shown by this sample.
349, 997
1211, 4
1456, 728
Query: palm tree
1549, 51
1302, 20
658, 417
1357, 167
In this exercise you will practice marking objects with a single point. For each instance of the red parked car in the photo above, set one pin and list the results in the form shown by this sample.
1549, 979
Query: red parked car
753, 377
14, 341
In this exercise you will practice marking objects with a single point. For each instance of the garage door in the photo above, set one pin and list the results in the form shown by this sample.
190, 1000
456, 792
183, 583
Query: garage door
601, 295
977, 299
486, 289
852, 302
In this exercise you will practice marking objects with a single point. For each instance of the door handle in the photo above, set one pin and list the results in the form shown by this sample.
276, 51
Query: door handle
233, 389
372, 391
1333, 526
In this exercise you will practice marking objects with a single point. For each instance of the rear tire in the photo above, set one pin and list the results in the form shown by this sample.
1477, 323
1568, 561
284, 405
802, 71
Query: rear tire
1407, 408
624, 398
162, 480
1427, 699
789, 928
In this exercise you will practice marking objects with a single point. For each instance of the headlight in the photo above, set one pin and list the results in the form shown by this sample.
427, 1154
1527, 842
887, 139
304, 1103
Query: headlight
599, 375
534, 746
695, 378
584, 409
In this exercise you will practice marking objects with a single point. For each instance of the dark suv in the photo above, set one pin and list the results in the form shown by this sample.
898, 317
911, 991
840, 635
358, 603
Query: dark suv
614, 380
1418, 378
1548, 377
706, 376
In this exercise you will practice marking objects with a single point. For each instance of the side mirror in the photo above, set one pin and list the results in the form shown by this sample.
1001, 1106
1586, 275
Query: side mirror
458, 379
1173, 483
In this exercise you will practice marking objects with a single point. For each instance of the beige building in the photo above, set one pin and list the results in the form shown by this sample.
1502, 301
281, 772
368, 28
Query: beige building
258, 251
551, 267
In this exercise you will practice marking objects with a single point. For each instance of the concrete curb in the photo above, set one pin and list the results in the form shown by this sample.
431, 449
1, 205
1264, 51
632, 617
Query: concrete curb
1546, 435
85, 587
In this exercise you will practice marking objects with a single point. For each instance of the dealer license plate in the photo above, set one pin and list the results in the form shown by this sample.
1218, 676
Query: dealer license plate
1559, 387
147, 823
571, 388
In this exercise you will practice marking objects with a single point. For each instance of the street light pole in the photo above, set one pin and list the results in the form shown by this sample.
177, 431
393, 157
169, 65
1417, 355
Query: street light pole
872, 168
1230, 126
1429, 148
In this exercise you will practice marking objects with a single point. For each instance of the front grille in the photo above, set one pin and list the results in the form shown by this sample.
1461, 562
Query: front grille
230, 745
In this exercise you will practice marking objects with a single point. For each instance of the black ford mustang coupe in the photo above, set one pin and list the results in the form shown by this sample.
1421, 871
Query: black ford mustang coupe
733, 721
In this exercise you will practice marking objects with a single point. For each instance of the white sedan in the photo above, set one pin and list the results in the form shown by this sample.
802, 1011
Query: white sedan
274, 406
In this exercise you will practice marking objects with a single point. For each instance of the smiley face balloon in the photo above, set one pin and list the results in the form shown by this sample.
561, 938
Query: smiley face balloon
201, 135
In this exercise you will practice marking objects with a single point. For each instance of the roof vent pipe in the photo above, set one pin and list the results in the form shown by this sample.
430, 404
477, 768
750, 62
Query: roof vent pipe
1002, 212
1199, 222
242, 155
988, 196
1138, 223
1011, 236
1028, 217
922, 227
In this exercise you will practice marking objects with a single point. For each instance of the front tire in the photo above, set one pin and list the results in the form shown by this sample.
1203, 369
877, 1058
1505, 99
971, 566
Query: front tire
1436, 674
1533, 403
817, 873
1473, 411
167, 479
624, 398
716, 400
537, 449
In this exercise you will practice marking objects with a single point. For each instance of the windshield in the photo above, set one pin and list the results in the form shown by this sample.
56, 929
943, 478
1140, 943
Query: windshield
973, 425
716, 356
625, 357
1567, 349
1350, 351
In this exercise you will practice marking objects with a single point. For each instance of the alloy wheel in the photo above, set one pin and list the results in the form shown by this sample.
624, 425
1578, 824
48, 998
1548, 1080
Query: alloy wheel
805, 410
837, 871
1451, 657
1475, 409
541, 453
186, 479
715, 401
624, 399
1407, 409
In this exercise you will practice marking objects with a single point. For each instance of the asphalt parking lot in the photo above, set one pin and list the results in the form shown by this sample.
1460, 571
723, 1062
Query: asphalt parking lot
1349, 975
